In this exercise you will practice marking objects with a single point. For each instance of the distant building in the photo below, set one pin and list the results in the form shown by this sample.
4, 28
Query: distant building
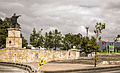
103, 46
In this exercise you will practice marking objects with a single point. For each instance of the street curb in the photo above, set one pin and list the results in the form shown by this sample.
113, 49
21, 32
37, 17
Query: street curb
86, 69
21, 66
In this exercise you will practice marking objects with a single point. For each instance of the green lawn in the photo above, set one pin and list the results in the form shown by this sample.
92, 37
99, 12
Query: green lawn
110, 52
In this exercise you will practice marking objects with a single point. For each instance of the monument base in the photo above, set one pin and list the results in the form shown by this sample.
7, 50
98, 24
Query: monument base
14, 39
13, 42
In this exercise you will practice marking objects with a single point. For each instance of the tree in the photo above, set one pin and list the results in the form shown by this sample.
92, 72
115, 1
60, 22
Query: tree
24, 41
77, 40
71, 40
49, 40
67, 41
84, 44
116, 39
46, 40
3, 32
93, 45
57, 38
98, 30
52, 39
1, 21
41, 41
34, 36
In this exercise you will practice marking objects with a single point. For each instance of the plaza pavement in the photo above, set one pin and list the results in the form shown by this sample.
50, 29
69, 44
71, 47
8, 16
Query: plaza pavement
64, 66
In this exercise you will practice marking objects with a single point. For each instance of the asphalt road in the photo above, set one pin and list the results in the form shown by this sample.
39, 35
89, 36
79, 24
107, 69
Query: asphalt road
6, 69
114, 70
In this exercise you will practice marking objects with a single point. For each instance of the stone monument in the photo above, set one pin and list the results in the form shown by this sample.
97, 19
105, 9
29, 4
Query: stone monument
14, 39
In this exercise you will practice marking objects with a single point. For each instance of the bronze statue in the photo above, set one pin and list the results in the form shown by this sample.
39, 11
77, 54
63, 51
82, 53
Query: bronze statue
14, 21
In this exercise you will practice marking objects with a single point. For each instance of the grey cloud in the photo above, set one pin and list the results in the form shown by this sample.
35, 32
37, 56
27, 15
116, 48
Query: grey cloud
66, 15
110, 13
113, 4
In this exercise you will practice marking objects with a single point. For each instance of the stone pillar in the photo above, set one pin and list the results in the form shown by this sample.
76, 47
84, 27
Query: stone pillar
77, 55
14, 39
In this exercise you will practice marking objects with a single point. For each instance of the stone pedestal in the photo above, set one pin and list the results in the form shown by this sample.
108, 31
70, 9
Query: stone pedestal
77, 55
14, 39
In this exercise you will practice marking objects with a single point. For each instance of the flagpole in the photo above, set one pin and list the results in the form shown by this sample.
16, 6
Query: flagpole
105, 43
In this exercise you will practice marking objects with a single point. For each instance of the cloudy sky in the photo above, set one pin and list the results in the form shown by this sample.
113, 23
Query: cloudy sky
68, 16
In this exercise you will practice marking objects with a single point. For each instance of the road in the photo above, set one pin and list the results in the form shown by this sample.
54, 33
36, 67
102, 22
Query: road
6, 69
115, 70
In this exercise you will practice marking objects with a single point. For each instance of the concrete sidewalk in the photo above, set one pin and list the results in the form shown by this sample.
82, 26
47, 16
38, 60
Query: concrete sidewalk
64, 66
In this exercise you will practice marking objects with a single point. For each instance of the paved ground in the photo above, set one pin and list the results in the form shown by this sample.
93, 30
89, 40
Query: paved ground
6, 69
115, 70
64, 66
56, 67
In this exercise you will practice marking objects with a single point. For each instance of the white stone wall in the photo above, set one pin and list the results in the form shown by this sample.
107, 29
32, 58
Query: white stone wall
27, 55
